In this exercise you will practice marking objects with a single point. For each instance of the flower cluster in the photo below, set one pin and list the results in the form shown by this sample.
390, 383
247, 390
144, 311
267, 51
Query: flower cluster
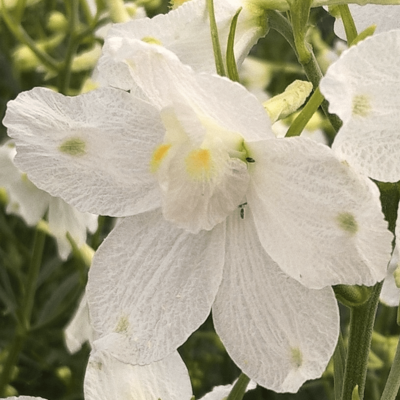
216, 213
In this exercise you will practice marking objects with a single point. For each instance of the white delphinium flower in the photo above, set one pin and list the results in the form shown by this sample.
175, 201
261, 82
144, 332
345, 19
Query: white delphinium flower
385, 17
31, 204
220, 214
79, 330
362, 88
107, 378
186, 32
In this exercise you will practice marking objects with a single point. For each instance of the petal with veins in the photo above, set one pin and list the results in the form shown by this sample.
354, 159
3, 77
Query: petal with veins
277, 331
99, 145
107, 378
319, 220
362, 88
151, 285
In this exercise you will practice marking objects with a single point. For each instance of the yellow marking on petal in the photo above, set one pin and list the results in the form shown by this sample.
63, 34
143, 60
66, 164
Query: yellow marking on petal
122, 325
74, 146
198, 163
158, 155
151, 40
296, 357
347, 222
361, 105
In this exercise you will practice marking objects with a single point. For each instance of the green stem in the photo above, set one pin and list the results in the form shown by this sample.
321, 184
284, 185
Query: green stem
348, 22
311, 68
19, 10
219, 63
20, 34
65, 74
361, 325
239, 389
314, 75
393, 382
23, 325
86, 12
306, 114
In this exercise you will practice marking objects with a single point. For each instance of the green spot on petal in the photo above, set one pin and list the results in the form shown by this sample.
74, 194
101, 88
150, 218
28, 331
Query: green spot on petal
361, 105
74, 147
348, 223
296, 357
97, 365
151, 40
123, 325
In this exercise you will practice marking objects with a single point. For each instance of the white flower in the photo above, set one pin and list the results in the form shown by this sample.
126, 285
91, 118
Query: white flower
146, 379
220, 214
362, 88
31, 204
107, 378
186, 32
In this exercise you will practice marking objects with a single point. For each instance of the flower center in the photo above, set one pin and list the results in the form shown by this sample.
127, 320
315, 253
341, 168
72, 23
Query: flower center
198, 164
201, 169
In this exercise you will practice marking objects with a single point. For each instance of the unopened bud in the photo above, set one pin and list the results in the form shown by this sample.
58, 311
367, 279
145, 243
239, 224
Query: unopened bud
288, 102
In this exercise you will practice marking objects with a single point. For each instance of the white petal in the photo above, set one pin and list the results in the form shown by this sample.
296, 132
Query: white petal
222, 392
319, 220
201, 197
385, 17
277, 331
92, 150
23, 398
362, 90
151, 285
186, 32
79, 330
25, 199
165, 81
107, 378
390, 294
64, 218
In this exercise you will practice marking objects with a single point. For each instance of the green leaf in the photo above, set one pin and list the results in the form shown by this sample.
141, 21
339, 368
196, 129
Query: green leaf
230, 51
219, 63
239, 389
348, 22
59, 301
339, 362
364, 34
